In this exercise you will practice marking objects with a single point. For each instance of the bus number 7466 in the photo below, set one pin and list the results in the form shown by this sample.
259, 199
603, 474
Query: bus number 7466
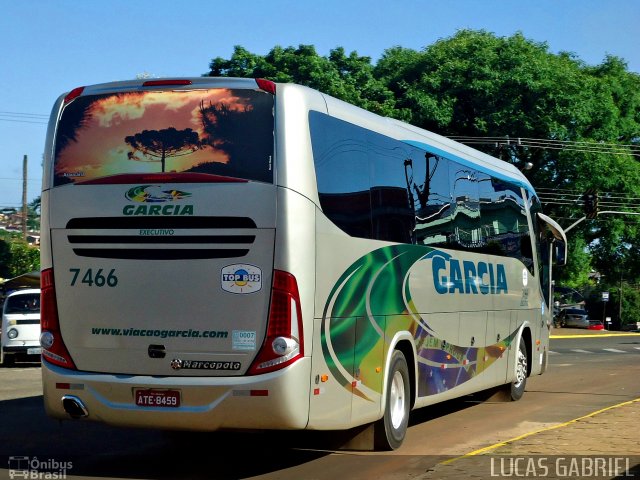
97, 279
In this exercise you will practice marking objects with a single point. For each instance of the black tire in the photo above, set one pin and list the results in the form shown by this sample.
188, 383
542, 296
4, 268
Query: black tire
520, 382
390, 430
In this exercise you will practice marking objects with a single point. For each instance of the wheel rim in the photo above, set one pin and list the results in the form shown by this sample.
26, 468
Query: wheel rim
521, 368
396, 399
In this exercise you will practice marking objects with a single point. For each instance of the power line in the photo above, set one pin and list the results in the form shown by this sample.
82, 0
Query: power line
506, 140
22, 121
21, 117
578, 146
607, 201
16, 178
4, 112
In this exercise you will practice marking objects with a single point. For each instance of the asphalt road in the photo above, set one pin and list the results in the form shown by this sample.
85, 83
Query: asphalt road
585, 374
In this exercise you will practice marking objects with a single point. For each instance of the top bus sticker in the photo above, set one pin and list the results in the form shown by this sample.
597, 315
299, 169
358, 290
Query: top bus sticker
241, 278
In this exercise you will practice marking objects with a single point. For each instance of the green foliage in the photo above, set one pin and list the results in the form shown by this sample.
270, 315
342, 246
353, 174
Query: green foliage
348, 77
5, 258
478, 84
24, 259
575, 274
17, 257
630, 304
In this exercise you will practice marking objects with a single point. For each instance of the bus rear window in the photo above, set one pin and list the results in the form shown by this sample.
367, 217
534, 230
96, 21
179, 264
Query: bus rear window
217, 131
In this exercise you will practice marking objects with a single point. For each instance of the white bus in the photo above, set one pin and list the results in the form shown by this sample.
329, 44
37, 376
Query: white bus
223, 253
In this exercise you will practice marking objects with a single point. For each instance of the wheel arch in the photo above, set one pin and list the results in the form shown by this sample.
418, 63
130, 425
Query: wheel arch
524, 334
404, 342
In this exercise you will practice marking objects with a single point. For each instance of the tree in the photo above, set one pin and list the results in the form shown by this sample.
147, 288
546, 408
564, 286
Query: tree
243, 146
5, 258
17, 257
348, 77
157, 145
476, 84
34, 206
33, 214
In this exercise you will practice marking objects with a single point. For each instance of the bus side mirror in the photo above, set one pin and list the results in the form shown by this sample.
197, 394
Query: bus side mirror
559, 241
560, 252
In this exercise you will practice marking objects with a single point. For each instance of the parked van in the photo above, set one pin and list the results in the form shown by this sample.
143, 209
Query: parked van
20, 325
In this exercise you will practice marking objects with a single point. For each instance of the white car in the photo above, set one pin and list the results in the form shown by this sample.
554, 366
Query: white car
20, 325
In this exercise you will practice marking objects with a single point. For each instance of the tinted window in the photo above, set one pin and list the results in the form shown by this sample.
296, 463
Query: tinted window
373, 186
219, 131
342, 173
392, 210
466, 207
431, 192
505, 227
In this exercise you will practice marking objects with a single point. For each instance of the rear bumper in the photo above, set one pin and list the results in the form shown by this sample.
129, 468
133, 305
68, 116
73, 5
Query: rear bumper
278, 400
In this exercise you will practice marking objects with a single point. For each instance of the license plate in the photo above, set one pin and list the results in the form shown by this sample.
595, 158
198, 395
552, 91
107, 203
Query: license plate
34, 351
158, 398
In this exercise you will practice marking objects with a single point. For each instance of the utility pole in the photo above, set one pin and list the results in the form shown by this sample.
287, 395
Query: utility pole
620, 305
24, 197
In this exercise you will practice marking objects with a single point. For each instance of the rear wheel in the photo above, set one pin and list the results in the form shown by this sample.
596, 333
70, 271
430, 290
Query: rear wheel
391, 429
520, 382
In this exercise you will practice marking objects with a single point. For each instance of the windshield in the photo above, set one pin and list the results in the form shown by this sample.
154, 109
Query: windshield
24, 303
217, 131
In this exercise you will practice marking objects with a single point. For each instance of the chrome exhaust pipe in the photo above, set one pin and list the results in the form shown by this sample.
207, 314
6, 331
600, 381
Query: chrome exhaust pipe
74, 407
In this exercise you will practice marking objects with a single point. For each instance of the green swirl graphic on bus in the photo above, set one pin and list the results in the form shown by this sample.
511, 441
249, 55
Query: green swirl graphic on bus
371, 301
154, 194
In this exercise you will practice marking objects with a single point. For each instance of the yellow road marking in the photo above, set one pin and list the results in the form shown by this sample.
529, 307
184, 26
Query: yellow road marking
586, 335
525, 435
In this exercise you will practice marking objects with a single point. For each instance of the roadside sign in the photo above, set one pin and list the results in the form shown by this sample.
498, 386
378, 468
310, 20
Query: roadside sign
605, 296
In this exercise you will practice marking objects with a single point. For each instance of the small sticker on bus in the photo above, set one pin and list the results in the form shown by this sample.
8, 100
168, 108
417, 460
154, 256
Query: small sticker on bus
243, 340
241, 278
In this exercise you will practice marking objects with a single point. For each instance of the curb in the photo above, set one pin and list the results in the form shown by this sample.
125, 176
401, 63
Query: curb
553, 455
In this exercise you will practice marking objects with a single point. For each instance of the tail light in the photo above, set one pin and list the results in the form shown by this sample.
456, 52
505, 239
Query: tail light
266, 85
283, 344
75, 93
53, 348
166, 82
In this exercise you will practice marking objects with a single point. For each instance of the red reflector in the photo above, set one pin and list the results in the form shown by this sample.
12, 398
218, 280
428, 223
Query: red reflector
285, 321
55, 351
48, 310
76, 92
259, 393
63, 386
266, 85
162, 83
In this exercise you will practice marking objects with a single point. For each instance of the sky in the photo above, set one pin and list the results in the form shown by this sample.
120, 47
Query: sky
53, 46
